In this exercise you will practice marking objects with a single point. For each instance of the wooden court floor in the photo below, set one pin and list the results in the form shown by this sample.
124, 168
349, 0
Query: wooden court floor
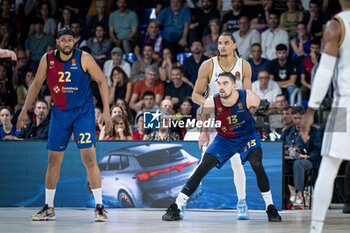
69, 220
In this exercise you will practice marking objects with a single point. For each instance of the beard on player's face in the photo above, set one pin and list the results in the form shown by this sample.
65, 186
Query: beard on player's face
66, 50
224, 95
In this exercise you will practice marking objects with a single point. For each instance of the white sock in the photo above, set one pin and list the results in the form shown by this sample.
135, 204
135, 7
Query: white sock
97, 195
324, 189
181, 200
316, 227
49, 197
267, 196
239, 177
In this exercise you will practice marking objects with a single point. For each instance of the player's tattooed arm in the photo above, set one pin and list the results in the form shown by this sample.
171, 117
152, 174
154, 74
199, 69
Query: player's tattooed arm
208, 109
247, 75
202, 82
252, 100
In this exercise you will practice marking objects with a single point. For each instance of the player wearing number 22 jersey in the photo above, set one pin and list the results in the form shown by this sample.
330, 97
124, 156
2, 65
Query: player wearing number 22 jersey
71, 93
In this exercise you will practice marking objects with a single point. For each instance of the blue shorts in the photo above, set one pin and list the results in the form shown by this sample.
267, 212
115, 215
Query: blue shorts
224, 148
80, 121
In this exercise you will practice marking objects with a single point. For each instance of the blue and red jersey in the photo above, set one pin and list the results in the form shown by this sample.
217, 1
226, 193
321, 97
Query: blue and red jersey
68, 83
236, 120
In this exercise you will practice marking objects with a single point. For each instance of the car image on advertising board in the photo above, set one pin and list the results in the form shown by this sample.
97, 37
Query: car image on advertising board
147, 175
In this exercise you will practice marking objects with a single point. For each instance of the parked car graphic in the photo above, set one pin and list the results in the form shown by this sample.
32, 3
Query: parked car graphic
147, 175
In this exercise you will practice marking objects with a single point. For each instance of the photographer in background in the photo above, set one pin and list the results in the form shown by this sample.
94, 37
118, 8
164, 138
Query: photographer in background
300, 156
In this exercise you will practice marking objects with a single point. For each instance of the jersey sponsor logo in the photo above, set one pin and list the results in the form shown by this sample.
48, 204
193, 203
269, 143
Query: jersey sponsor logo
56, 89
240, 105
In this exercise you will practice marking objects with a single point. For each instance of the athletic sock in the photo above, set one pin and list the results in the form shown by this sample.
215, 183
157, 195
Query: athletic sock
267, 196
49, 197
239, 177
181, 200
316, 226
97, 195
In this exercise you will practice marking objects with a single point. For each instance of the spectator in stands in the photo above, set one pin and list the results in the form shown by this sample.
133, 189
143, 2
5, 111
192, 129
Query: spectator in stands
76, 27
256, 62
245, 36
210, 41
273, 36
38, 129
10, 18
300, 43
230, 20
150, 83
153, 36
275, 117
39, 43
100, 18
99, 45
65, 20
304, 156
167, 105
117, 60
291, 18
309, 63
283, 71
22, 90
123, 25
199, 26
7, 92
185, 109
7, 40
117, 110
49, 23
149, 100
167, 62
138, 133
128, 112
259, 13
7, 129
191, 64
98, 122
315, 19
265, 88
121, 86
164, 133
177, 90
21, 67
138, 67
121, 129
175, 20
287, 118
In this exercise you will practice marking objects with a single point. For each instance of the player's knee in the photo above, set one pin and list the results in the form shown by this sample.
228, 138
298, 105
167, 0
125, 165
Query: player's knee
255, 158
89, 161
54, 160
236, 163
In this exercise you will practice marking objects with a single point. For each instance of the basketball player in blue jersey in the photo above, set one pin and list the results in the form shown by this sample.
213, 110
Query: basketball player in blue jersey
206, 85
68, 71
237, 134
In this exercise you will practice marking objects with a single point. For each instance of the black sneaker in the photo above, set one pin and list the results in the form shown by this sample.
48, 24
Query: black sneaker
272, 214
346, 208
172, 213
100, 213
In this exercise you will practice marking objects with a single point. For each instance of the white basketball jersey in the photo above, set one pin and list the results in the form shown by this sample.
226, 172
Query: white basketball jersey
341, 79
212, 87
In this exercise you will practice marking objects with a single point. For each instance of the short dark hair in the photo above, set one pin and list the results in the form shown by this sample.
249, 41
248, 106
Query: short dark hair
76, 21
298, 110
281, 47
316, 42
256, 44
41, 101
228, 74
149, 44
274, 12
176, 68
38, 20
263, 70
316, 2
8, 108
148, 93
197, 40
287, 108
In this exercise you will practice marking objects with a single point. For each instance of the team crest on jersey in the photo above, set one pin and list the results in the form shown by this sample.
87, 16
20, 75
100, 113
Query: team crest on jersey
219, 109
224, 129
52, 63
74, 62
56, 89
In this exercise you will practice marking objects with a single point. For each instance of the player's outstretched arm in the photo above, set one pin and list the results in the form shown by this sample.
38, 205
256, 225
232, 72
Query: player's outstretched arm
253, 101
202, 82
90, 66
33, 91
247, 75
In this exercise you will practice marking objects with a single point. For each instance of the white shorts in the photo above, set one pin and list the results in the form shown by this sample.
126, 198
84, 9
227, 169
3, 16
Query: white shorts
336, 139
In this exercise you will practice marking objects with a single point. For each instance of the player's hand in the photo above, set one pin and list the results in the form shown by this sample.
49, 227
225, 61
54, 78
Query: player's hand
203, 140
22, 120
106, 118
8, 53
308, 120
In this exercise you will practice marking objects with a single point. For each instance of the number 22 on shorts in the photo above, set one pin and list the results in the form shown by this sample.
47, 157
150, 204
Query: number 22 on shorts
84, 138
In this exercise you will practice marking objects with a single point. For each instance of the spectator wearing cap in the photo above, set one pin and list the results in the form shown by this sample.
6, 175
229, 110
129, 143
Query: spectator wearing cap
117, 60
39, 43
99, 45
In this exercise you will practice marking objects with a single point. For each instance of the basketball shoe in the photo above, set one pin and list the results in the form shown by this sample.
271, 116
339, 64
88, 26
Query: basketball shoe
272, 214
100, 213
242, 210
45, 214
172, 213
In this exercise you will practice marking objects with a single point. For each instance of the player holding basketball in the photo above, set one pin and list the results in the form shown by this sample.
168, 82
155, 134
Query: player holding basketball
335, 146
206, 85
68, 71
237, 134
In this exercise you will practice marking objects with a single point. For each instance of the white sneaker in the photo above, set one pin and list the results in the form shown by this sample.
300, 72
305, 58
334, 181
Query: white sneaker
292, 198
299, 204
